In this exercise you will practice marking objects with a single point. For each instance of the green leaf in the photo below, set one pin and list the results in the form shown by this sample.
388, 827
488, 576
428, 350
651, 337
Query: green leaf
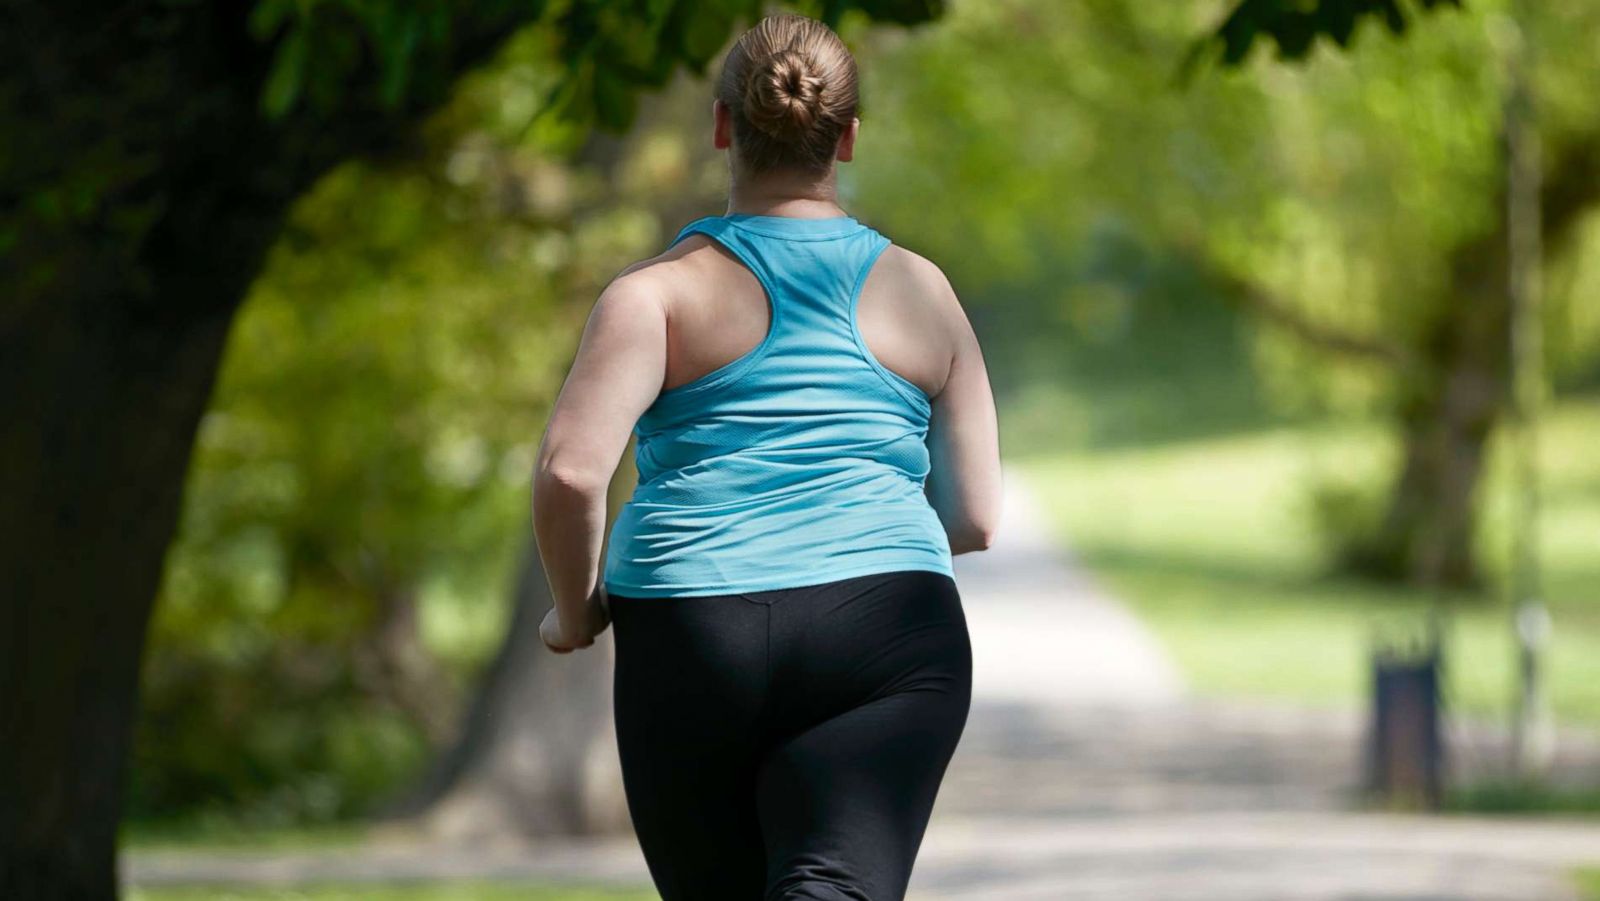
1295, 25
704, 32
903, 12
398, 51
267, 18
1338, 21
284, 82
615, 100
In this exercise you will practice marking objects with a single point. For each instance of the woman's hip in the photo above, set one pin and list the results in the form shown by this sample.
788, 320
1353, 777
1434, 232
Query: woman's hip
794, 654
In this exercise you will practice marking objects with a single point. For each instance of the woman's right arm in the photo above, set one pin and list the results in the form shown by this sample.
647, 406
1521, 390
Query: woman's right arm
964, 482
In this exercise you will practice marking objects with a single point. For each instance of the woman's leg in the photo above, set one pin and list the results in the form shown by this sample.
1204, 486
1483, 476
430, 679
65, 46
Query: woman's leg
690, 675
872, 684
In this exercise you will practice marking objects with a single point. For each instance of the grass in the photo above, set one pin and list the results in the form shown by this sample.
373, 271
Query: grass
1589, 884
457, 891
222, 833
1212, 542
1514, 797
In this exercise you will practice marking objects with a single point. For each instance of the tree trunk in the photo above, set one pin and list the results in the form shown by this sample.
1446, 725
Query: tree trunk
537, 752
99, 417
393, 662
1428, 533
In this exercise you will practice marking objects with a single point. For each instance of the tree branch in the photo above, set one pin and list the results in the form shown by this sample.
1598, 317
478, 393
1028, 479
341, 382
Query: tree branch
1571, 188
1256, 300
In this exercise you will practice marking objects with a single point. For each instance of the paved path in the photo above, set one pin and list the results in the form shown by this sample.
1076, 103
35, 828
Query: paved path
1231, 802
1087, 772
1043, 632
1252, 857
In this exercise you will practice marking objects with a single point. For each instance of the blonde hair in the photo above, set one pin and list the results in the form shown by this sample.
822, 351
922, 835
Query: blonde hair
790, 85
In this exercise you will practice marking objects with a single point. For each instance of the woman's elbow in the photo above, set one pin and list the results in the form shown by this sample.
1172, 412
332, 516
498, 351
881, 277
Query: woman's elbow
972, 537
557, 474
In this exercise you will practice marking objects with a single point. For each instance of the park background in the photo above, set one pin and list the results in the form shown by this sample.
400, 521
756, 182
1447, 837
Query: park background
1242, 274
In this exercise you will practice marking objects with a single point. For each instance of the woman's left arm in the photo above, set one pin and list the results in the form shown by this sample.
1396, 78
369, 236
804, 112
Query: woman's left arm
617, 373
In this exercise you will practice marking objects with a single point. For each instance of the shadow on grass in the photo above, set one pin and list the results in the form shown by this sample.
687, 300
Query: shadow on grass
1523, 796
222, 832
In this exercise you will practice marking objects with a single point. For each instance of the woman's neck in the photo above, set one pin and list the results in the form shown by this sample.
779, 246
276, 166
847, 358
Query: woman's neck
794, 194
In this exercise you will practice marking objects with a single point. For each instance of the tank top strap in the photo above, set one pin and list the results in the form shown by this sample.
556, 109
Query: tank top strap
810, 269
721, 230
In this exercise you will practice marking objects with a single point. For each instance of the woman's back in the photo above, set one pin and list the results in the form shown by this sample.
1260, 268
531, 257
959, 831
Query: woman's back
782, 452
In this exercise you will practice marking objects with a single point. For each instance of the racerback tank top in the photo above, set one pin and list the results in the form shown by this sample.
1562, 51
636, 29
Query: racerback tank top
801, 462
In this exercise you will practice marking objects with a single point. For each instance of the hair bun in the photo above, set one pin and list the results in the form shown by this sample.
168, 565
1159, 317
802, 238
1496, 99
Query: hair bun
784, 97
789, 86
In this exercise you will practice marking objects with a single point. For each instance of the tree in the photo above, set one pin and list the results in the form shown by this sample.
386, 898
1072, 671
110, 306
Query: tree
1447, 354
153, 152
1352, 203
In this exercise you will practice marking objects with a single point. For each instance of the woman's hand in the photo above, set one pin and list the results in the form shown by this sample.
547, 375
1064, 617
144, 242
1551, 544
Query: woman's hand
562, 640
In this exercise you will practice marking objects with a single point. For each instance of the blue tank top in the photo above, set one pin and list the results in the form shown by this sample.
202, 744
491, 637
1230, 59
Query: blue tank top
802, 461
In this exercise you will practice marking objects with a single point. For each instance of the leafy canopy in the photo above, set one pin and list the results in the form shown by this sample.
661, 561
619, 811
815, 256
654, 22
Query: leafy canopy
612, 49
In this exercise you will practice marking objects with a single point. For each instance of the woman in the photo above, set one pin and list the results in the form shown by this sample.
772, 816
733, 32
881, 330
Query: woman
816, 439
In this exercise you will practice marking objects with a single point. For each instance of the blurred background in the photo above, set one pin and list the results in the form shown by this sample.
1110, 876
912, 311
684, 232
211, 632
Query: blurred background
1292, 309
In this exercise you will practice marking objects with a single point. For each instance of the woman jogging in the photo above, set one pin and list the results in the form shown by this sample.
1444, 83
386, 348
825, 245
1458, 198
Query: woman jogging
816, 438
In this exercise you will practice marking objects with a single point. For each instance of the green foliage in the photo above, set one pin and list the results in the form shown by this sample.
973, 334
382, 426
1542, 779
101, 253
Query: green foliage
1294, 25
1115, 344
1342, 188
610, 51
371, 433
1523, 797
115, 131
323, 47
614, 51
1345, 510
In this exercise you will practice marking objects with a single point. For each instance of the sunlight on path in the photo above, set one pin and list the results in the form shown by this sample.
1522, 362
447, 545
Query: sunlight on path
1043, 632
1255, 857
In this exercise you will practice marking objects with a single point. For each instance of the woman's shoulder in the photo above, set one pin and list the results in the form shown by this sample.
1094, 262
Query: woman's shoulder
686, 262
908, 273
665, 265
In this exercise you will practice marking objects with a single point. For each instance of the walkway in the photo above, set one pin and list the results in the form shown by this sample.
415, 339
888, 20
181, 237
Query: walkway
1042, 632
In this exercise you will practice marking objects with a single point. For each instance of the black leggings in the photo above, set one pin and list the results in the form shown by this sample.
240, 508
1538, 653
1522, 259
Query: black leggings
789, 744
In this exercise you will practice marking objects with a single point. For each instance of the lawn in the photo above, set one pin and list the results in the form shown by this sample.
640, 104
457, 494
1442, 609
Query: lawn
219, 832
1213, 544
461, 891
1589, 884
